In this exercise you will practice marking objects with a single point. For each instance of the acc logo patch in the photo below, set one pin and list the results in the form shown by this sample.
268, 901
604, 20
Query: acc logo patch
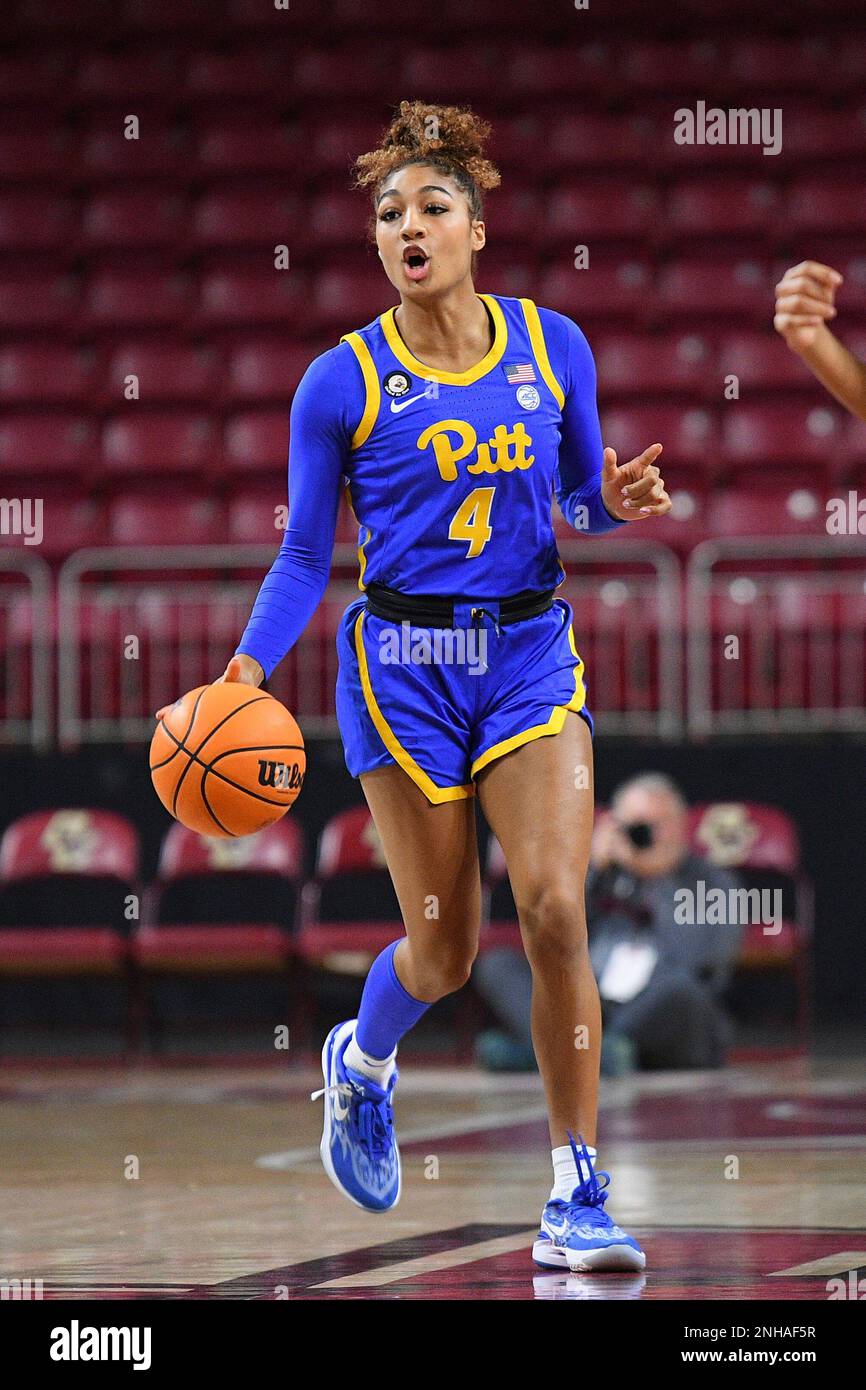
528, 397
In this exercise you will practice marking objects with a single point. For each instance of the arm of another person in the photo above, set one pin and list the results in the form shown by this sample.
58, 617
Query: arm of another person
805, 302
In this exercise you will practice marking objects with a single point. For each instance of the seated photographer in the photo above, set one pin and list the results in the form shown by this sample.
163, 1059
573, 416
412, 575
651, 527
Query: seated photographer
660, 970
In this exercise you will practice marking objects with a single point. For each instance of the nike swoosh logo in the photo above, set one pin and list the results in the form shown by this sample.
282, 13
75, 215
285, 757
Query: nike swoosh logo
397, 406
340, 1110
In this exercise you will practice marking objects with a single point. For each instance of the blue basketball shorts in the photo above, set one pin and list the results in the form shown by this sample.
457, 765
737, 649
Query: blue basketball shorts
443, 703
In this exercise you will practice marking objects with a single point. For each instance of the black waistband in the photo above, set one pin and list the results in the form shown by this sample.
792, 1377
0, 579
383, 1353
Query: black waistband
433, 610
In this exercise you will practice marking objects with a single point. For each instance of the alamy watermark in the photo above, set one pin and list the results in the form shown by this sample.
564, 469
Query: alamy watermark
736, 126
437, 646
22, 516
718, 907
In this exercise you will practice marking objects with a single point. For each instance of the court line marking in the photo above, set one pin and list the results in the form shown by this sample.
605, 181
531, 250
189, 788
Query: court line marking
293, 1158
842, 1263
428, 1264
452, 1129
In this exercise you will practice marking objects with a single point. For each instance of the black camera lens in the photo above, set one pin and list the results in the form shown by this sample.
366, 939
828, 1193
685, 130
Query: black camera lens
640, 833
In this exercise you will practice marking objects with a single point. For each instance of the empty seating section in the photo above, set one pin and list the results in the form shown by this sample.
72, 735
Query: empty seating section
165, 279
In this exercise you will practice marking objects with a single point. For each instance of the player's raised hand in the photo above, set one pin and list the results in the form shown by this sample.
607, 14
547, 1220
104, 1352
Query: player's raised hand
635, 489
242, 668
805, 303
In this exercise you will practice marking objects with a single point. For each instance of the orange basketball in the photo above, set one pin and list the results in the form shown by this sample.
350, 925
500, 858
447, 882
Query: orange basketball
227, 759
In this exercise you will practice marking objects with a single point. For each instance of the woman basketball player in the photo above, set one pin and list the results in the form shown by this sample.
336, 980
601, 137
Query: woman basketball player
454, 416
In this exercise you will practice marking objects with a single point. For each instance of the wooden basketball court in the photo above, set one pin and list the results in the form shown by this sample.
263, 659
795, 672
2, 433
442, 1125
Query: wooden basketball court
204, 1182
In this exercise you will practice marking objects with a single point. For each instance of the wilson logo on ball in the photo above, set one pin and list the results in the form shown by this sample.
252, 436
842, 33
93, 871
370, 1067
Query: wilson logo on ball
280, 775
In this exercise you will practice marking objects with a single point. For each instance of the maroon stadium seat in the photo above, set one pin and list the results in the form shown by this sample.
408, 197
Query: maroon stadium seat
820, 204
689, 434
608, 290
44, 154
33, 76
585, 140
635, 364
350, 905
43, 373
167, 372
129, 74
317, 74
30, 300
46, 444
146, 519
557, 70
603, 209
240, 217
715, 289
761, 362
761, 845
652, 64
262, 370
766, 66
821, 135
343, 301
159, 442
333, 144
234, 297
251, 146
254, 73
161, 151
334, 219
257, 441
519, 147
721, 207
253, 517
134, 217
37, 222
779, 511
791, 434
65, 880
451, 71
220, 907
121, 299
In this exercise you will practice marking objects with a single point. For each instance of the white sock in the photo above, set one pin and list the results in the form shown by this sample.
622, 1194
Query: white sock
565, 1174
379, 1070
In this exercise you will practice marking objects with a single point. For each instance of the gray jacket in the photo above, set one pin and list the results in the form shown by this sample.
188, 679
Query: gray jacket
671, 912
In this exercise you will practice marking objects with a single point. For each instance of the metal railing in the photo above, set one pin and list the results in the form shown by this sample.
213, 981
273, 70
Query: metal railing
139, 626
776, 640
26, 648
135, 627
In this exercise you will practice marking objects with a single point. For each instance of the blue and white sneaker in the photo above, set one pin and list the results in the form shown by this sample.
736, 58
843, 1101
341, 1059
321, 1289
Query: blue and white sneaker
358, 1148
578, 1234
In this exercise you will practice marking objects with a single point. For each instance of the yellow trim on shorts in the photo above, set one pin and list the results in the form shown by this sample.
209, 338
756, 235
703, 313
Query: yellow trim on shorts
554, 722
539, 347
389, 738
371, 386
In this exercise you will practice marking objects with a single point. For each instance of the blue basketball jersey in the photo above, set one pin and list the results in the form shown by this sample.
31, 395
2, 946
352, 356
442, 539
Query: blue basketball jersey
450, 475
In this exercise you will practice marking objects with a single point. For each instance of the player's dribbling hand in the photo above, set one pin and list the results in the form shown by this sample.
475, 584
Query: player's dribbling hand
243, 669
636, 489
804, 303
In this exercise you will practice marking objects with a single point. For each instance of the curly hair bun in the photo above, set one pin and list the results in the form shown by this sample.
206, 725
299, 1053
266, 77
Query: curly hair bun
448, 135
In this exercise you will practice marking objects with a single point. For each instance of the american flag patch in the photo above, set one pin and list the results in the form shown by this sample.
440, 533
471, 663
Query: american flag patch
517, 373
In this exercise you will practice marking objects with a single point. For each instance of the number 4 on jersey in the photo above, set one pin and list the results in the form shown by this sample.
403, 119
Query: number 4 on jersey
471, 521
